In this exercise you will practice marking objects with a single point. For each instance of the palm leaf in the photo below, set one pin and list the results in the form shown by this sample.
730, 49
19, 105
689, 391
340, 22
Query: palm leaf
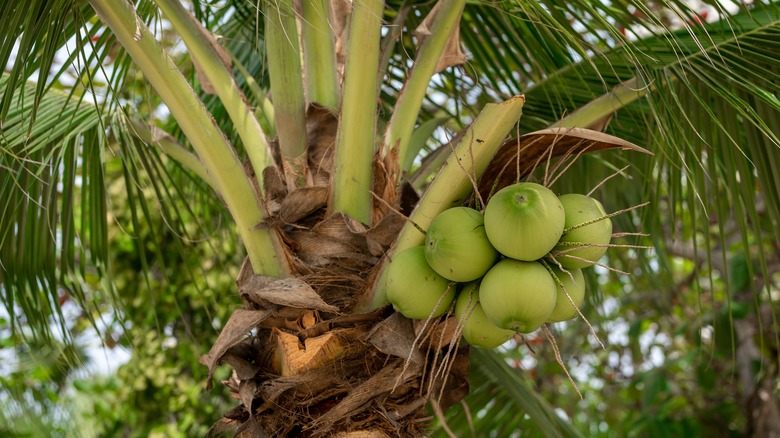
710, 116
56, 188
502, 402
52, 198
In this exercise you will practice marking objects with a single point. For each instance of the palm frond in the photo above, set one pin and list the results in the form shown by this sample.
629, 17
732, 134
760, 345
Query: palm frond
503, 402
53, 231
32, 37
59, 180
710, 115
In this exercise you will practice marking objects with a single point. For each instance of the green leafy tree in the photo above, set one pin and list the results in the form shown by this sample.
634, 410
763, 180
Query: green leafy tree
167, 126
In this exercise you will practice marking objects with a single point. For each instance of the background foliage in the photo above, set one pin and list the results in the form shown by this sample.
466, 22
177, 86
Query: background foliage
691, 336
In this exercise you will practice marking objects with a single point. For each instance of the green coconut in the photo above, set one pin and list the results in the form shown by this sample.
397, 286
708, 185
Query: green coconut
415, 289
582, 209
457, 247
518, 295
564, 309
478, 329
524, 221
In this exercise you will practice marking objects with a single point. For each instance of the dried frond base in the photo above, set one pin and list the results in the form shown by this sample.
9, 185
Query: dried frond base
306, 372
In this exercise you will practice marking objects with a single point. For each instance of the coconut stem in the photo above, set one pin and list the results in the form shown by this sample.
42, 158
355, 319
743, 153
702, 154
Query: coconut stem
558, 358
608, 216
618, 172
591, 262
419, 338
576, 307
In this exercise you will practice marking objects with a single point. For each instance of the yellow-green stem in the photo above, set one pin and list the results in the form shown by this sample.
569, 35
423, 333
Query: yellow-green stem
206, 54
601, 107
172, 149
286, 76
353, 178
216, 153
404, 117
265, 109
318, 46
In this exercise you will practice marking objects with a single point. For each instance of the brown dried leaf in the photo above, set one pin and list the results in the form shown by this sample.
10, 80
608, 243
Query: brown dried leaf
239, 324
360, 397
395, 336
232, 384
363, 434
342, 228
316, 250
251, 429
443, 333
248, 280
321, 127
452, 54
404, 410
246, 273
386, 174
337, 237
380, 237
286, 292
237, 413
275, 188
272, 390
243, 368
340, 10
302, 202
526, 151
226, 424
247, 390
424, 29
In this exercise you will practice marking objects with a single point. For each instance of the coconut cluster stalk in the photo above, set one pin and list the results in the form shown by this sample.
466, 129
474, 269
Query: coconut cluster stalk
454, 182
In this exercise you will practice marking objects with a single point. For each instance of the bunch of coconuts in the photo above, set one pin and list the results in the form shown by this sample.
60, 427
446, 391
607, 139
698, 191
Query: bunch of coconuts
503, 269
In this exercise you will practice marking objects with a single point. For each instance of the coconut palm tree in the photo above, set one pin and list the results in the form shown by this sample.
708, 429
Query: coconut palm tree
331, 133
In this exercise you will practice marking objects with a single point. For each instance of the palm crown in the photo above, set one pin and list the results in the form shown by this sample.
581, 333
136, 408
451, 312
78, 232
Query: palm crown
251, 122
